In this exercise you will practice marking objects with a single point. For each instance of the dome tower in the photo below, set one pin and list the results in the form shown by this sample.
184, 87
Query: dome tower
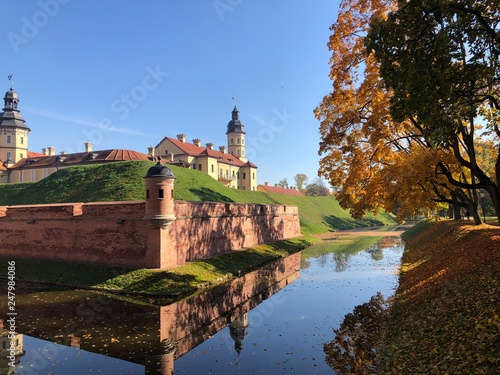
13, 130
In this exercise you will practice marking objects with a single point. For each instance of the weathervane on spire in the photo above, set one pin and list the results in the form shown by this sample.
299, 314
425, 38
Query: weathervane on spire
10, 79
234, 99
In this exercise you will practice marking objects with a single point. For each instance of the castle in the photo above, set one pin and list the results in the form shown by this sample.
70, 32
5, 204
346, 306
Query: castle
18, 164
228, 165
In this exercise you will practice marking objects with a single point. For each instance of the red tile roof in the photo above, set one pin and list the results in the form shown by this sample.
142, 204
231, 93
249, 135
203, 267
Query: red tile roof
80, 158
33, 154
193, 150
279, 190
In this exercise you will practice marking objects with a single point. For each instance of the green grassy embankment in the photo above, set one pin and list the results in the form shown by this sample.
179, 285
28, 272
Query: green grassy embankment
445, 317
125, 181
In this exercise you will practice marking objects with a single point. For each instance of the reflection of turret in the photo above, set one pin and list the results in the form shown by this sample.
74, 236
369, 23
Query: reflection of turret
238, 332
163, 362
11, 350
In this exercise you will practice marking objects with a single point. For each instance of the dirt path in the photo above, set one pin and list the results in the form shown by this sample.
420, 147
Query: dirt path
370, 232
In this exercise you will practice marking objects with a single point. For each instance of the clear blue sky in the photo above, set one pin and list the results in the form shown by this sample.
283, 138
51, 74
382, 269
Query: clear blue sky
124, 74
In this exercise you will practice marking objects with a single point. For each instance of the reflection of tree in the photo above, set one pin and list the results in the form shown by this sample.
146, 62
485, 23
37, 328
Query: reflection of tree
341, 261
376, 252
356, 342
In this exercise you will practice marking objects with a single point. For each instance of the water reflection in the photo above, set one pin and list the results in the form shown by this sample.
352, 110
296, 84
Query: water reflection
141, 333
341, 251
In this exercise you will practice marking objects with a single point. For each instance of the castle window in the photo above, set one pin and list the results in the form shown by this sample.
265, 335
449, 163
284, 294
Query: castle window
8, 138
8, 156
160, 193
238, 141
21, 155
147, 194
244, 175
199, 167
22, 140
238, 152
232, 141
194, 165
212, 168
166, 152
238, 174
253, 176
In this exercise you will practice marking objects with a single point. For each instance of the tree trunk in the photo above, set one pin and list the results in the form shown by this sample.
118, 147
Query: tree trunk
457, 212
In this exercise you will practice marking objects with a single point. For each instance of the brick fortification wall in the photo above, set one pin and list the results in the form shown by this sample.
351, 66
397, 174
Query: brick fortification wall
117, 234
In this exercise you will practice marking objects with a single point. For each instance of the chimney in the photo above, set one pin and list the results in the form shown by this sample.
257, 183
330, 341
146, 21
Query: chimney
266, 183
151, 151
45, 151
63, 152
197, 142
181, 137
222, 149
209, 145
88, 147
51, 151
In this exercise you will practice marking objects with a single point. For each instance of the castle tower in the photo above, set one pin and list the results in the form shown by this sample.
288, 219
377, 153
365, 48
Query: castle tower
236, 136
162, 362
159, 196
13, 130
238, 331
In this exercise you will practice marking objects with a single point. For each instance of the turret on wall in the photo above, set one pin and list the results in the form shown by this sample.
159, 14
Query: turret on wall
159, 196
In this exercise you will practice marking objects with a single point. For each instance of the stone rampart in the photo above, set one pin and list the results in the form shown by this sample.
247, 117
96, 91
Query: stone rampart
116, 233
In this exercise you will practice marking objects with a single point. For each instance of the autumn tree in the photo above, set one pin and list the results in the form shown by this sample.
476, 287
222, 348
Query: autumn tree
379, 160
440, 60
300, 180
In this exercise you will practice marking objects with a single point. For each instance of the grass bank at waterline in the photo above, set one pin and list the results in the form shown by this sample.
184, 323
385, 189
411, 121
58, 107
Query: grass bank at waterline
166, 285
445, 317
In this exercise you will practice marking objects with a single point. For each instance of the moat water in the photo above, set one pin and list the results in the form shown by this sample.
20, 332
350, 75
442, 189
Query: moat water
276, 322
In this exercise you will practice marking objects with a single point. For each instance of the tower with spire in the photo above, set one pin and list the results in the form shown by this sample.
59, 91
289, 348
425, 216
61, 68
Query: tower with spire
13, 130
236, 136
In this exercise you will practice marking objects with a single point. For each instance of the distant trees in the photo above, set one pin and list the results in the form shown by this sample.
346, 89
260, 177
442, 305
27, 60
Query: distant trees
283, 183
300, 180
317, 188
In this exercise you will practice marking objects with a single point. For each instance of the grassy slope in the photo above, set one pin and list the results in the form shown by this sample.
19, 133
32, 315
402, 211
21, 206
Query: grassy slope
445, 318
124, 181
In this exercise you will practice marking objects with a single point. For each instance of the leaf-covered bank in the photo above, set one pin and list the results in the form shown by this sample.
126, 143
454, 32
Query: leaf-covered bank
445, 317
